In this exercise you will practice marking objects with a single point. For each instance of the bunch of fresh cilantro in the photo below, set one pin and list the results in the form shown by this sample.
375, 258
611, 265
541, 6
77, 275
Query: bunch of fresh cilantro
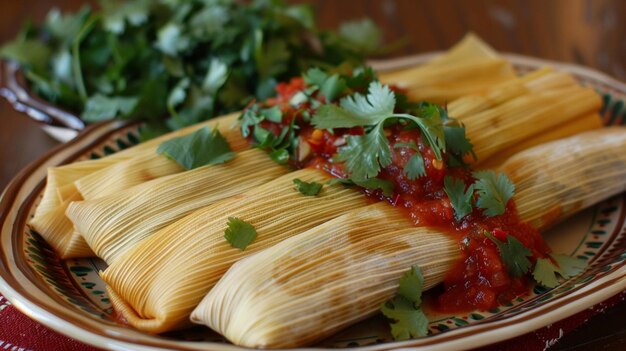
177, 62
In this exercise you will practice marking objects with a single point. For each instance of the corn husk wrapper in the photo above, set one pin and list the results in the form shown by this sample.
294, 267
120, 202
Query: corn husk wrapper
469, 67
579, 125
524, 117
157, 284
557, 179
58, 232
113, 224
318, 282
60, 188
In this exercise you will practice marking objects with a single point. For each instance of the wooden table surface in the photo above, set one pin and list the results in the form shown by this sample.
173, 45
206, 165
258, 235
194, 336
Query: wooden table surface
586, 32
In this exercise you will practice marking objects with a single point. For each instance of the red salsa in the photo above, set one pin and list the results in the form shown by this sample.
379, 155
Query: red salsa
479, 279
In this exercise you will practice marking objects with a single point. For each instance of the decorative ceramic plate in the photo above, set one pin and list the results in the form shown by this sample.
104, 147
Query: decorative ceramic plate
69, 296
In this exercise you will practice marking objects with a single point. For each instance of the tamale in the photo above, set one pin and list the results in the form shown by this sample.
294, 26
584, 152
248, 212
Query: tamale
157, 284
115, 223
317, 282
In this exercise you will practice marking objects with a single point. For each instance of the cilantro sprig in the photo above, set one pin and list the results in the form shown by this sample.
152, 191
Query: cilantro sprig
405, 308
200, 148
545, 272
365, 155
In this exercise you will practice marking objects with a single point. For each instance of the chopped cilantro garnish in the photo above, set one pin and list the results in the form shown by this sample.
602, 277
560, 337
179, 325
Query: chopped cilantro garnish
494, 192
365, 155
545, 270
308, 189
513, 253
404, 308
197, 149
460, 199
415, 168
239, 233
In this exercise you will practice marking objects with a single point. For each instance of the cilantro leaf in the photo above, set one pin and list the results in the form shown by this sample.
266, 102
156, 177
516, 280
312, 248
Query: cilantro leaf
545, 270
363, 34
415, 168
364, 155
215, 77
171, 39
545, 273
411, 285
197, 149
177, 95
315, 76
249, 118
373, 108
333, 87
27, 52
569, 266
308, 189
404, 308
431, 124
332, 116
99, 107
513, 253
272, 114
494, 192
117, 14
280, 156
410, 322
239, 233
457, 143
460, 199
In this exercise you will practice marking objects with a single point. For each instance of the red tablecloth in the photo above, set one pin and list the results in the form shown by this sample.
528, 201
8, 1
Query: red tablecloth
20, 333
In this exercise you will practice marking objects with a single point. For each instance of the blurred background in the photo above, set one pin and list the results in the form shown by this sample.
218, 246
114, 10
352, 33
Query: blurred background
585, 32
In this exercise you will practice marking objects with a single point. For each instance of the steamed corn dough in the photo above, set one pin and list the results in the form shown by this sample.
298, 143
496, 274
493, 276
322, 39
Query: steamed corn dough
115, 223
317, 282
157, 284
